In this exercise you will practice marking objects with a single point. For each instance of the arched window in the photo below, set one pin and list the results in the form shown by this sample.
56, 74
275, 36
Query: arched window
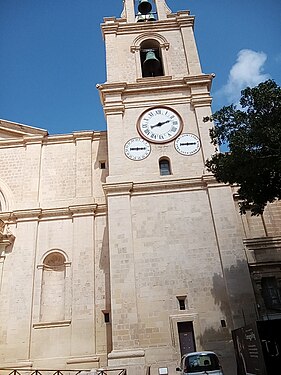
52, 304
164, 167
2, 202
151, 59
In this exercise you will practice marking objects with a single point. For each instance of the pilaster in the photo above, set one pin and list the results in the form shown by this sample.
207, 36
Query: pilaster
32, 165
83, 164
122, 268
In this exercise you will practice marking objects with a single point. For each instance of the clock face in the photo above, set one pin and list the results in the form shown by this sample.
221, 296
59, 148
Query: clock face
137, 149
187, 144
159, 125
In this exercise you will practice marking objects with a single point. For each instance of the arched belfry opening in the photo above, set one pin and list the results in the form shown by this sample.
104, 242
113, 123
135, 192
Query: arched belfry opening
145, 11
151, 59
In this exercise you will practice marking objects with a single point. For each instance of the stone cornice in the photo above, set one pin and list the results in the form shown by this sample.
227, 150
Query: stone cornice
149, 83
263, 251
40, 214
114, 109
262, 243
123, 188
18, 129
201, 100
20, 142
114, 25
164, 186
112, 94
83, 135
51, 139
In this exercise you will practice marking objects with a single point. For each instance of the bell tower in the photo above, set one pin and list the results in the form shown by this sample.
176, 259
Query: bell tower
152, 63
166, 237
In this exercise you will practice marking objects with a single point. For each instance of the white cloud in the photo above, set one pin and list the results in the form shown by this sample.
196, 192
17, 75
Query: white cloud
247, 71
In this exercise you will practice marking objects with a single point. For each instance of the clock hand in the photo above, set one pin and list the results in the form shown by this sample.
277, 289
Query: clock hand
187, 143
137, 148
160, 124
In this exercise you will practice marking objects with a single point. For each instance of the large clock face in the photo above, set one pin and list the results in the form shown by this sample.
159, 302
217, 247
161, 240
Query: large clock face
159, 125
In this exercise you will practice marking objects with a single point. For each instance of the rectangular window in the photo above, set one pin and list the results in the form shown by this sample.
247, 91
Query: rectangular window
106, 317
271, 293
102, 165
182, 302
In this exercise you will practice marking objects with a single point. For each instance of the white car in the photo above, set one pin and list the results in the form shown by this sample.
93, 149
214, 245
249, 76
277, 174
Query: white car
200, 363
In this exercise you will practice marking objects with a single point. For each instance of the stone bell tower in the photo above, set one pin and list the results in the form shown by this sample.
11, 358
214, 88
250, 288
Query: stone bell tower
169, 221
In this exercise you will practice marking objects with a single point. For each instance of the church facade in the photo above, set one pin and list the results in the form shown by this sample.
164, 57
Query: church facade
118, 248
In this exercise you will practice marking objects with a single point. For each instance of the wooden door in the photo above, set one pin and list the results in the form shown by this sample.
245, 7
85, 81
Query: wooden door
186, 337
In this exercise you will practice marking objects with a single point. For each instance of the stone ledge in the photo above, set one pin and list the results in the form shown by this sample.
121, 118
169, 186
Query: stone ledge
88, 359
59, 323
117, 354
16, 365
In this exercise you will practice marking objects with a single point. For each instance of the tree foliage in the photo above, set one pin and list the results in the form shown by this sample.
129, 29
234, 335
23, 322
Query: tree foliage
253, 135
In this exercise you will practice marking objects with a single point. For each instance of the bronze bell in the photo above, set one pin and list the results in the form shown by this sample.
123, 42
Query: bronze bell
150, 17
144, 6
140, 17
151, 64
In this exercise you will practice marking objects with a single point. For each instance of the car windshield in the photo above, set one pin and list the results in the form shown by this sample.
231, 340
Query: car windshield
201, 362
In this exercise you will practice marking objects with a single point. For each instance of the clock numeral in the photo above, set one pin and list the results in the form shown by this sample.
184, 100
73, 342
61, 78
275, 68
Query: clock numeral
158, 111
146, 131
161, 136
171, 117
151, 114
175, 123
152, 135
144, 126
174, 129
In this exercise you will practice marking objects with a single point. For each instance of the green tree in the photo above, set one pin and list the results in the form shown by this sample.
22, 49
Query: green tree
253, 135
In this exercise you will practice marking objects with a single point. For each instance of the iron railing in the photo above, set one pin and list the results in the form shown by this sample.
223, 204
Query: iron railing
23, 371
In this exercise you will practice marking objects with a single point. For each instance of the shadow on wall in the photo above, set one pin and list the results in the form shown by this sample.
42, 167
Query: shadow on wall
234, 295
220, 341
101, 162
104, 265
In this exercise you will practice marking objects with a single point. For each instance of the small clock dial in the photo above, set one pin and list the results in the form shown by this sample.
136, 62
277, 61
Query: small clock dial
137, 149
159, 125
187, 144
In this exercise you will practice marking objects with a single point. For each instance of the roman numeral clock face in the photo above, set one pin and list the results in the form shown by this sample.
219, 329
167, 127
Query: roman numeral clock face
159, 125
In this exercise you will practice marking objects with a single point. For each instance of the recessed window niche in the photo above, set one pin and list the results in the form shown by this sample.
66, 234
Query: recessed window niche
53, 296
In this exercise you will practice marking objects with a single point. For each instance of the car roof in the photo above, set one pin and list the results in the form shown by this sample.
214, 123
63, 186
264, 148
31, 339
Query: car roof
198, 353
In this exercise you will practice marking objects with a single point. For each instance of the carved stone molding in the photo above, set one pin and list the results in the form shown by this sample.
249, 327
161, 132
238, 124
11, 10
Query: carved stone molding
167, 185
39, 214
6, 238
263, 250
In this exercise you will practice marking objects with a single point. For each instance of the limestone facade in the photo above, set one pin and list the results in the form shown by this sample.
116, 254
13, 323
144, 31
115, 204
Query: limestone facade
107, 262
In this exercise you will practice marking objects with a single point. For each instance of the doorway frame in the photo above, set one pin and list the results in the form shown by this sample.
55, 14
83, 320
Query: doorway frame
192, 318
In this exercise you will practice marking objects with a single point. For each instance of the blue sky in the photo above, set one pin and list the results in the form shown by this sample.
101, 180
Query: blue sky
52, 55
